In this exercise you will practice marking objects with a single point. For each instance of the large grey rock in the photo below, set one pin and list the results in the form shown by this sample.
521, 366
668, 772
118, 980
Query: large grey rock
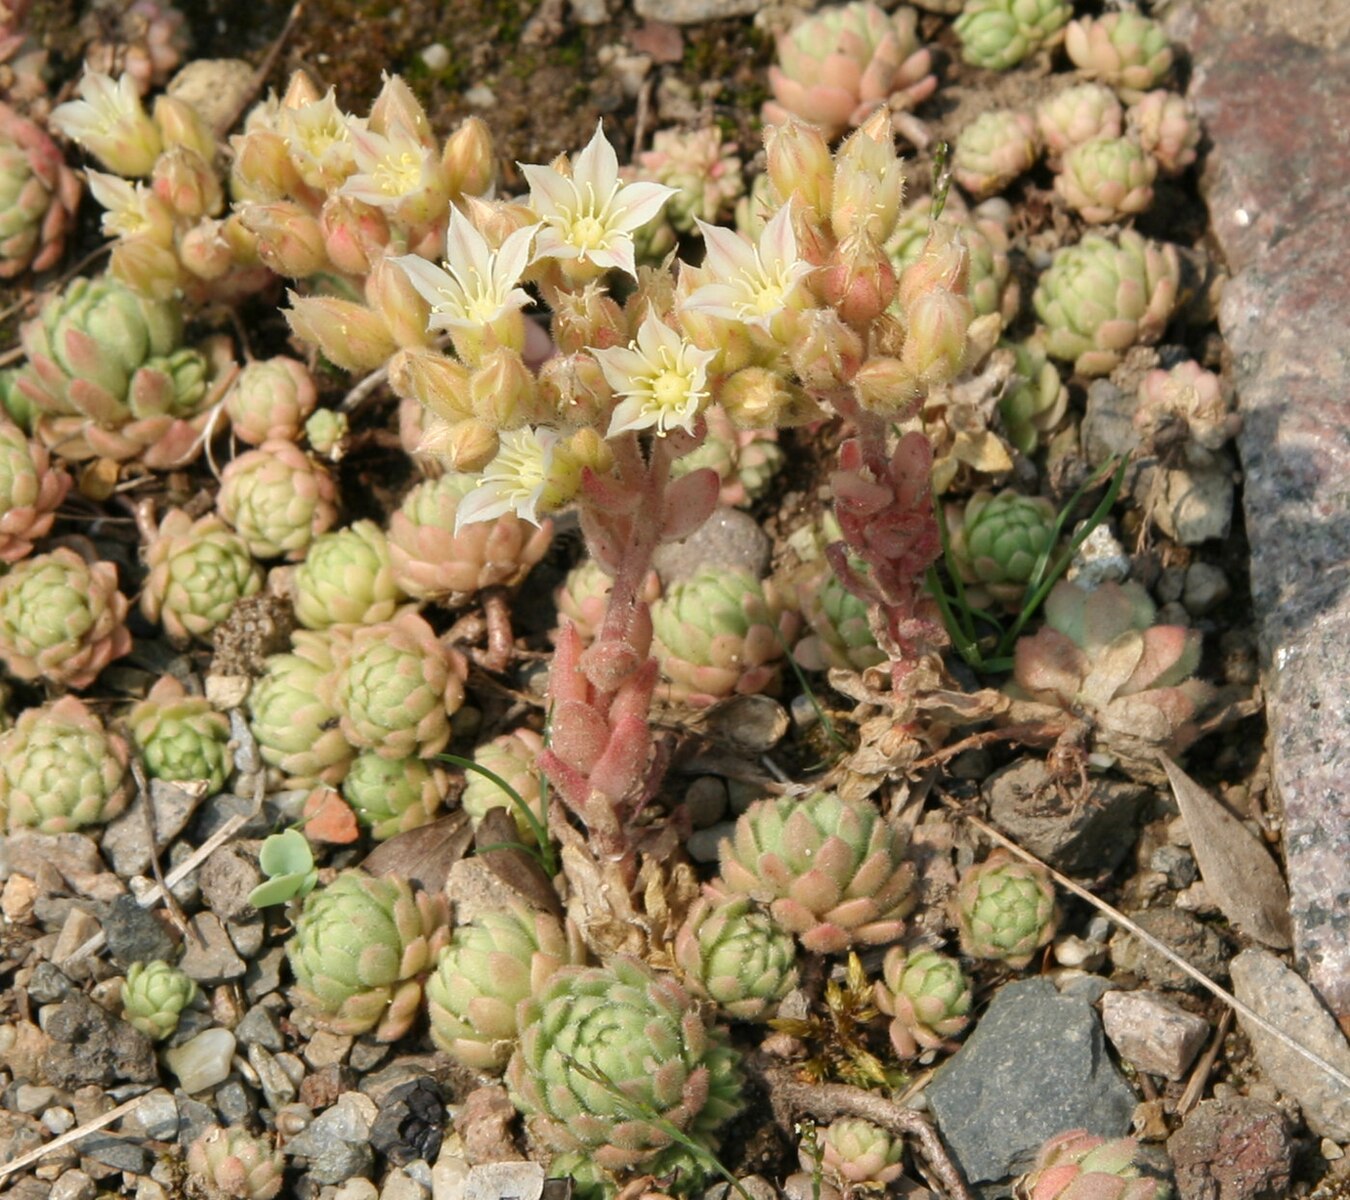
1277, 181
1035, 1065
91, 1046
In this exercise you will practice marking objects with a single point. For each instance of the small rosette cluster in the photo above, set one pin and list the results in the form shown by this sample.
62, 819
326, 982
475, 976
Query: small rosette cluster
999, 540
181, 737
38, 197
830, 870
153, 995
31, 488
853, 1153
393, 795
1005, 909
360, 950
736, 956
927, 996
197, 571
235, 1163
999, 34
1077, 1165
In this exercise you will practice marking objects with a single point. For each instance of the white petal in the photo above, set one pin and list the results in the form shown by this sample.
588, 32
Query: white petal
484, 503
597, 165
655, 335
435, 286
550, 243
638, 203
727, 254
628, 415
465, 246
778, 242
618, 255
621, 366
716, 299
513, 256
550, 194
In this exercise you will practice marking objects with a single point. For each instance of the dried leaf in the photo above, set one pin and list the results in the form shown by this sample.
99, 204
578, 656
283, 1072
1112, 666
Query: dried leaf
512, 864
1239, 873
423, 856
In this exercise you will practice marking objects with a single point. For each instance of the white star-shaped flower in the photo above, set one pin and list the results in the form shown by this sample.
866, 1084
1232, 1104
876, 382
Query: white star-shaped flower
590, 216
109, 121
662, 377
396, 173
531, 474
752, 283
476, 285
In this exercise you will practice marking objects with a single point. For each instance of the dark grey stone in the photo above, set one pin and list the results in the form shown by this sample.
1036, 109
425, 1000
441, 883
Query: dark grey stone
236, 1101
259, 1028
136, 934
121, 1153
90, 1046
1196, 942
1035, 1066
49, 984
263, 975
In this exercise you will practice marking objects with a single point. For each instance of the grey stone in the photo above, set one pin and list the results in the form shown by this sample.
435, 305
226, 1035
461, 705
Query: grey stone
1177, 864
1233, 1149
209, 955
1094, 835
124, 840
1281, 996
367, 1054
326, 1049
1206, 588
90, 1046
702, 844
248, 935
1153, 1033
1036, 1064
729, 538
499, 1180
202, 1061
155, 1117
121, 1153
32, 1098
136, 934
49, 984
691, 12
74, 1185
1193, 504
276, 1084
227, 878
194, 1117
399, 1185
259, 1028
1278, 188
74, 856
235, 1100
1196, 942
337, 1141
218, 809
263, 975
1100, 559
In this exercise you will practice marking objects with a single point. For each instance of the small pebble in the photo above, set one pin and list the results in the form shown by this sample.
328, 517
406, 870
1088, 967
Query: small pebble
58, 1119
436, 57
702, 844
357, 1189
480, 96
74, 1185
203, 1062
1206, 588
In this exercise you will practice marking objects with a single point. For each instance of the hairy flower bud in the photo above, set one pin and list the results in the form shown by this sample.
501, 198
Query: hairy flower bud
859, 280
869, 182
354, 234
800, 165
503, 391
468, 159
290, 241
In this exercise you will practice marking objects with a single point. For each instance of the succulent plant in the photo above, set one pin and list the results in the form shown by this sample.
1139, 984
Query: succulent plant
584, 593
837, 66
928, 997
841, 634
393, 795
236, 1164
719, 633
998, 34
1101, 296
602, 1046
1005, 909
1078, 114
397, 686
999, 540
734, 955
704, 171
106, 376
346, 579
153, 995
61, 619
293, 714
1186, 404
270, 399
38, 196
60, 770
288, 862
1125, 49
327, 430
431, 561
1036, 399
855, 1153
991, 286
181, 737
515, 757
830, 870
1077, 1165
1106, 179
197, 572
360, 950
492, 963
277, 499
30, 491
1100, 657
993, 150
745, 460
1168, 128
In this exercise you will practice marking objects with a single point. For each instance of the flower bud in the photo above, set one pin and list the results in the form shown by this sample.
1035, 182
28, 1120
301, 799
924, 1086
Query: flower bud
758, 398
437, 382
827, 352
290, 241
574, 387
503, 392
935, 341
943, 265
497, 220
145, 265
859, 280
301, 90
799, 166
589, 318
354, 234
350, 336
869, 181
389, 292
109, 122
886, 387
204, 251
262, 168
242, 241
180, 124
463, 446
468, 160
587, 448
184, 181
397, 108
